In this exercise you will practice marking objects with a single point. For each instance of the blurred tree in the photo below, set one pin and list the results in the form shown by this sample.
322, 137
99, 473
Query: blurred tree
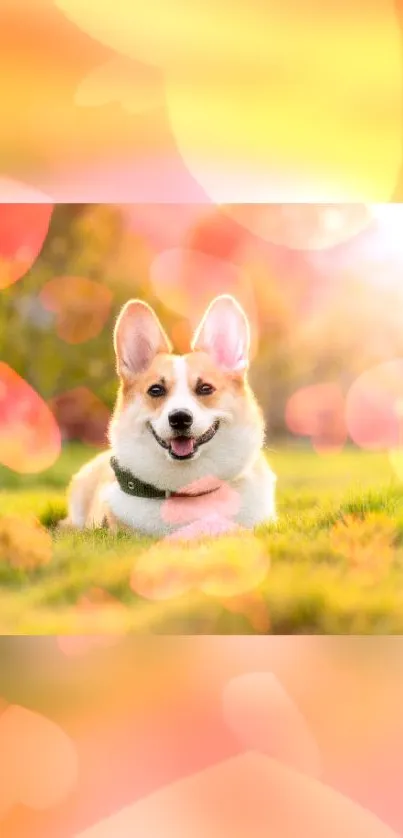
84, 241
312, 328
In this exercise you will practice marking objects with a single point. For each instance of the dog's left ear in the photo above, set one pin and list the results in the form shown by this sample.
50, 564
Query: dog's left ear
138, 338
224, 333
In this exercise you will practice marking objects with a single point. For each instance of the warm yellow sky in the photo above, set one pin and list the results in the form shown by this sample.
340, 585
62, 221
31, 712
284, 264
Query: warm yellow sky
282, 100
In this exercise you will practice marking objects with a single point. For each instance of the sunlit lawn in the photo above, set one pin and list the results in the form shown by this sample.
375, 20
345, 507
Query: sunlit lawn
336, 557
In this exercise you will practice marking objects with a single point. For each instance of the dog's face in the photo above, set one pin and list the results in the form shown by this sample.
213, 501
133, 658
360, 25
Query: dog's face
182, 418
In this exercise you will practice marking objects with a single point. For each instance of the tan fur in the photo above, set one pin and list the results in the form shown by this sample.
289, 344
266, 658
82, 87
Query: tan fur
160, 368
86, 487
227, 387
233, 456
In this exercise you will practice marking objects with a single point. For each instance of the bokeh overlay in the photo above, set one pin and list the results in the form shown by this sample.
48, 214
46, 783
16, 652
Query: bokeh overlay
320, 284
195, 100
158, 733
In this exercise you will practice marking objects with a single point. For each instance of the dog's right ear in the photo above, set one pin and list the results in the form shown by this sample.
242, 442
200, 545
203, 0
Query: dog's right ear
224, 334
138, 338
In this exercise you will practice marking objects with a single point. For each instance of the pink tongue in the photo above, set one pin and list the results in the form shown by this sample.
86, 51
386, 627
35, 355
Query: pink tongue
182, 446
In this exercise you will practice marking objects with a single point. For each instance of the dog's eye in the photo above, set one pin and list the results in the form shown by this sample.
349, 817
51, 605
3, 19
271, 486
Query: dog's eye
204, 389
156, 391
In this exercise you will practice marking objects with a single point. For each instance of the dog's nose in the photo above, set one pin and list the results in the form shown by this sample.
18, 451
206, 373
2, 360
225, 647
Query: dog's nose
180, 420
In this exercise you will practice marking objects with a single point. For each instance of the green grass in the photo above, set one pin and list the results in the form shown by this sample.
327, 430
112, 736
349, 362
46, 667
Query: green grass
336, 557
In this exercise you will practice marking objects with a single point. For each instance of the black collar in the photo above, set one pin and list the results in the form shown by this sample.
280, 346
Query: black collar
131, 485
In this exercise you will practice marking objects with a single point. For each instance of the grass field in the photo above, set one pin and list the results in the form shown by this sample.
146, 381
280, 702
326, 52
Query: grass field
336, 558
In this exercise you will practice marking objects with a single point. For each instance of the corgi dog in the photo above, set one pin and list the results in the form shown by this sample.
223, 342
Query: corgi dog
183, 427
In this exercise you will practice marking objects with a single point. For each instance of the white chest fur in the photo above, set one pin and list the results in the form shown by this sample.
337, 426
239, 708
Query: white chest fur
256, 491
141, 514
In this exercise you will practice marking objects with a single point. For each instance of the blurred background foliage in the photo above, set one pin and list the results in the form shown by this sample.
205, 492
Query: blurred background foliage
87, 242
317, 315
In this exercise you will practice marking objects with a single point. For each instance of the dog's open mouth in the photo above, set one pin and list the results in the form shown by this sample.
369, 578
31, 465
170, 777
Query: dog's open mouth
183, 447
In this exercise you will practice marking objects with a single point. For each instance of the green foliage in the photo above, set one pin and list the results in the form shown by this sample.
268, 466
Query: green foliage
83, 241
300, 343
336, 556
